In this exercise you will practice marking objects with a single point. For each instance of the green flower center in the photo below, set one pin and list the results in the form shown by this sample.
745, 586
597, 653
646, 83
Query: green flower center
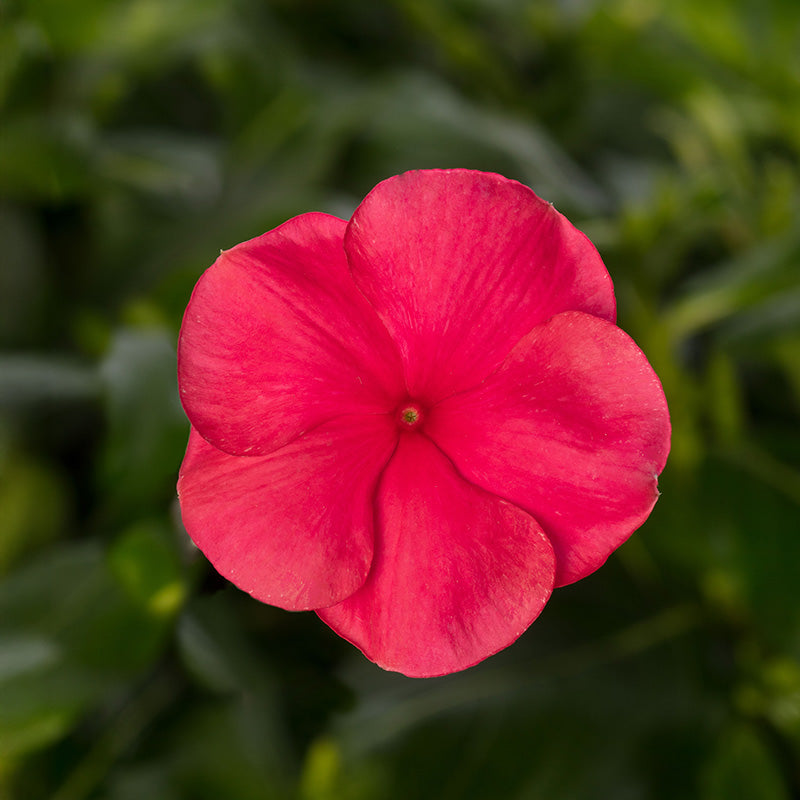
410, 416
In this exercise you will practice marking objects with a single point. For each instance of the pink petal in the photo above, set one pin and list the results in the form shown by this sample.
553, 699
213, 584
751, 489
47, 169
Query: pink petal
461, 264
458, 574
574, 428
276, 339
294, 528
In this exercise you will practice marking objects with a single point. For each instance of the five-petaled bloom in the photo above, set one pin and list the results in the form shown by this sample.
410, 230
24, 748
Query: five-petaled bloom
418, 422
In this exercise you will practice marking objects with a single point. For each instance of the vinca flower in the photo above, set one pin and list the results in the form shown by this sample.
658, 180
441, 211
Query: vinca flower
419, 422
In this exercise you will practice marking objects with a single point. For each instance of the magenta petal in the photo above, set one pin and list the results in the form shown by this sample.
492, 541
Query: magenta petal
458, 574
276, 339
574, 428
294, 528
461, 264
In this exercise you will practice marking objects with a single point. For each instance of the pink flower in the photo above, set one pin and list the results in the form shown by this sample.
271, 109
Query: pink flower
418, 422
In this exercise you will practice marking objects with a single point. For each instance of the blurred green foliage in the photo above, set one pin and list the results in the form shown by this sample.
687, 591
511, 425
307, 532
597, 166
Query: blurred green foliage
138, 137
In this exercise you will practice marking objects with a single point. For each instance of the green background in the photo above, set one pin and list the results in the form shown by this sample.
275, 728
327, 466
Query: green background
138, 137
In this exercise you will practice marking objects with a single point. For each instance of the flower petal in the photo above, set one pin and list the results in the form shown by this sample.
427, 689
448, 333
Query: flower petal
294, 528
461, 264
574, 428
276, 339
458, 574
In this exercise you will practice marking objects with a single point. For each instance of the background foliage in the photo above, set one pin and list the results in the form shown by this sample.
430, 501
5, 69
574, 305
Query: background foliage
138, 137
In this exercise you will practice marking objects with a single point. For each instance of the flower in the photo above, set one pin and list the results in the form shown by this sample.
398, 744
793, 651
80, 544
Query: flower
418, 422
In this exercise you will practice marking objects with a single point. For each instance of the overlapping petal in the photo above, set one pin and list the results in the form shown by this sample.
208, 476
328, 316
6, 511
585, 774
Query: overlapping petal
294, 528
277, 339
460, 265
458, 574
574, 428
418, 422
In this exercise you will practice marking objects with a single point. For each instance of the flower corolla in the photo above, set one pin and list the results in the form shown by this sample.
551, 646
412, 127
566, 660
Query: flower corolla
419, 422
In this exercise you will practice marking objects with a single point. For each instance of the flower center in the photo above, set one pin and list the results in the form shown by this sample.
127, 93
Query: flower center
410, 416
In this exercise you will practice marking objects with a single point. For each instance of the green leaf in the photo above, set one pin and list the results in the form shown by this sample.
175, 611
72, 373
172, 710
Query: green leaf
147, 429
45, 157
148, 570
33, 505
758, 276
743, 768
72, 634
169, 167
